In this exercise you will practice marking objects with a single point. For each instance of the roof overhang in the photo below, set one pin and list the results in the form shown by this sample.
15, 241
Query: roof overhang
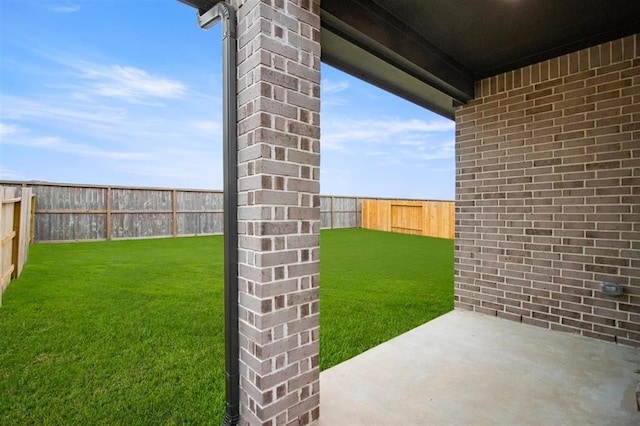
432, 52
389, 62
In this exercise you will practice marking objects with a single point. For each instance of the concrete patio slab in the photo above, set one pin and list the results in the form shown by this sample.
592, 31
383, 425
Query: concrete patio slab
465, 368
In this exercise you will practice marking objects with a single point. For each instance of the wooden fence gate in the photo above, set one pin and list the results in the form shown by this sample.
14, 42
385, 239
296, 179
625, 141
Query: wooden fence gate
427, 218
15, 232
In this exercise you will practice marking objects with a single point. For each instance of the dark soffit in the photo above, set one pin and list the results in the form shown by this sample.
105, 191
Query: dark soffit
441, 47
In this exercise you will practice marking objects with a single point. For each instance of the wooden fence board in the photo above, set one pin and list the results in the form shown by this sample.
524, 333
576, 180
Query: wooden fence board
69, 197
142, 225
141, 200
200, 223
339, 212
70, 226
199, 200
17, 234
7, 234
25, 228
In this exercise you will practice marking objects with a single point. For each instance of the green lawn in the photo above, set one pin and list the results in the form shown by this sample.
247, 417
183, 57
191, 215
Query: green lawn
131, 332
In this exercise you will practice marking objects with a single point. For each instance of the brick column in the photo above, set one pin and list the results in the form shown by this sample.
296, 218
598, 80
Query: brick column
279, 211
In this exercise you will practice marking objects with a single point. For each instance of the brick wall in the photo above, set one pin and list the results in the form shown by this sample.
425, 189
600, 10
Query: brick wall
548, 194
279, 209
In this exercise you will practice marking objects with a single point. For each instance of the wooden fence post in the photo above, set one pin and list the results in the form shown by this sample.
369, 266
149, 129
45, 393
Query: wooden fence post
3, 239
332, 213
109, 229
17, 234
32, 219
174, 212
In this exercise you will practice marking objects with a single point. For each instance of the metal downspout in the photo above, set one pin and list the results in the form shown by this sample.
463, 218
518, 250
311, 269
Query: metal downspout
224, 12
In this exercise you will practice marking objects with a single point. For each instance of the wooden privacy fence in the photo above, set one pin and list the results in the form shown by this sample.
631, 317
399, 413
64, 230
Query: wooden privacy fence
15, 232
427, 218
68, 212
76, 213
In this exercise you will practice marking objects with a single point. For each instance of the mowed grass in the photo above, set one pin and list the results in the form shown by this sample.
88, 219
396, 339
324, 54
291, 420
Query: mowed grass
131, 332
126, 332
376, 285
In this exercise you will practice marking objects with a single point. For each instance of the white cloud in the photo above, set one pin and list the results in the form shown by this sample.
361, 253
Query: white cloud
81, 78
432, 151
330, 92
390, 143
9, 174
339, 134
208, 126
8, 129
197, 164
56, 109
129, 83
66, 8
330, 86
91, 120
175, 145
25, 138
420, 126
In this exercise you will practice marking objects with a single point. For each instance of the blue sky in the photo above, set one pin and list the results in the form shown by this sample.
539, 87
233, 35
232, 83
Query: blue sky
128, 92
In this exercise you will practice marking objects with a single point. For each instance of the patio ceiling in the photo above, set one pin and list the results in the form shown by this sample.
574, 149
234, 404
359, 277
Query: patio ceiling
432, 51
